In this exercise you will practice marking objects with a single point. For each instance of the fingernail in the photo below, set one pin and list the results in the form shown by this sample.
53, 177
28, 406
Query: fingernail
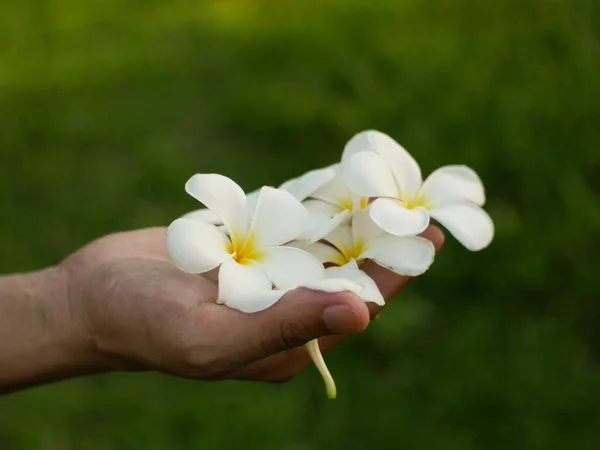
341, 319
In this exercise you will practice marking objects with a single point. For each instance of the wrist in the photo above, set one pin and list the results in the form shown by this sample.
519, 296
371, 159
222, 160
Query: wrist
43, 340
72, 339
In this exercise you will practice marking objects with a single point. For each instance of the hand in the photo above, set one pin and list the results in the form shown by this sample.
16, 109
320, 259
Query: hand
135, 310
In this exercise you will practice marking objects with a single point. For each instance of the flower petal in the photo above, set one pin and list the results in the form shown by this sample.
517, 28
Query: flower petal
286, 184
252, 200
350, 271
321, 207
196, 247
450, 184
223, 197
363, 141
334, 285
303, 186
336, 191
289, 267
326, 253
402, 255
370, 292
367, 174
203, 215
320, 225
403, 166
395, 219
364, 229
277, 219
341, 238
239, 280
256, 301
207, 216
468, 223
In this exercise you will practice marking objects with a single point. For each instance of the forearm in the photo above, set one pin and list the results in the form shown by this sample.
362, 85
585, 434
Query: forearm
39, 341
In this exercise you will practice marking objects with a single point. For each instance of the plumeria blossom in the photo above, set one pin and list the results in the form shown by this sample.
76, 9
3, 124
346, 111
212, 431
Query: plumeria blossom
323, 193
255, 268
318, 229
249, 249
331, 205
350, 245
374, 165
300, 187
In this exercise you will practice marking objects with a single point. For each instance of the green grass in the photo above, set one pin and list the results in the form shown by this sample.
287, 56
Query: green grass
106, 108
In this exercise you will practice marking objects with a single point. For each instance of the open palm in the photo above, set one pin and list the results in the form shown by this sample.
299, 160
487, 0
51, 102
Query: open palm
137, 311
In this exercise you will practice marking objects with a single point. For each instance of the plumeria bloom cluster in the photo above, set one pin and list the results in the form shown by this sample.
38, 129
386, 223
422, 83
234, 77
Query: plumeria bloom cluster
317, 230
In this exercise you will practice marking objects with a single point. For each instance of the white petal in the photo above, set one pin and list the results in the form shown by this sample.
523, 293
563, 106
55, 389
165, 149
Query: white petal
239, 280
320, 225
364, 229
326, 253
256, 301
363, 141
252, 200
395, 219
367, 174
203, 215
207, 216
289, 267
370, 292
303, 186
450, 184
336, 191
405, 169
350, 271
287, 184
223, 197
277, 219
321, 207
341, 238
324, 217
467, 222
196, 247
403, 255
334, 285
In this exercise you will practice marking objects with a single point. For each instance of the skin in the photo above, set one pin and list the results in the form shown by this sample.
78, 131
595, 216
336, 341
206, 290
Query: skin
119, 303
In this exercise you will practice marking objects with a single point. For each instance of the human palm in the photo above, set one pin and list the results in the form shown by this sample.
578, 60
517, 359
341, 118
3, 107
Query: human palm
136, 311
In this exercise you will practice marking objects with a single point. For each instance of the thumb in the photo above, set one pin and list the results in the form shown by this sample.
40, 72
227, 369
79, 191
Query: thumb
304, 314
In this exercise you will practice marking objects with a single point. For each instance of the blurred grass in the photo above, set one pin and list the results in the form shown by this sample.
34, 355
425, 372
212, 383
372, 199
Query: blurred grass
108, 107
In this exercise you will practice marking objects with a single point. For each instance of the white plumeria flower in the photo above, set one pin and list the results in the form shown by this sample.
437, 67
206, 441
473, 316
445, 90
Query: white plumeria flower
300, 187
375, 165
350, 245
250, 249
331, 205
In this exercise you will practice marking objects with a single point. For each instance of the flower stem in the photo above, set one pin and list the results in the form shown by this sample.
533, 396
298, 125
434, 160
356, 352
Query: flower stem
317, 358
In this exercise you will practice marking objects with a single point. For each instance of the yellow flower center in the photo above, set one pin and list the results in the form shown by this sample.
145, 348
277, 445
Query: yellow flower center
354, 252
350, 204
244, 250
411, 203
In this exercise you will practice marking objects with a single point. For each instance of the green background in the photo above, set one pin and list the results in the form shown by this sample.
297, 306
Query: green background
107, 107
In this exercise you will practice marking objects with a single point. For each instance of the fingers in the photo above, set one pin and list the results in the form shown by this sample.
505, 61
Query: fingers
286, 364
390, 283
276, 368
300, 316
303, 315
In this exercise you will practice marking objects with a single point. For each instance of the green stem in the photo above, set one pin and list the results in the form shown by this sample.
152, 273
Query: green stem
317, 358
